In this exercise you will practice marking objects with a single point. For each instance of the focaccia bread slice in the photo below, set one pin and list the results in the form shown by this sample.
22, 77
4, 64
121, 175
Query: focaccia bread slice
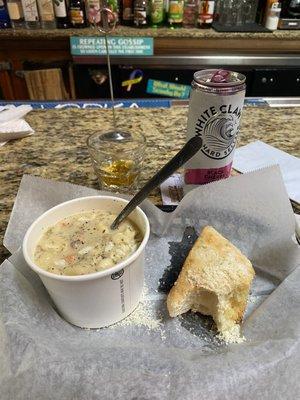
215, 280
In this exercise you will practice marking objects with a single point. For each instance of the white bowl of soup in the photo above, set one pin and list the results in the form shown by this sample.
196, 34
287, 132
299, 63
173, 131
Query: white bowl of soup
93, 274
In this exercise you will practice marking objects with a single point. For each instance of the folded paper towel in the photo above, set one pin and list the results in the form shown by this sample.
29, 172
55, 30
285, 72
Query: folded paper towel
257, 155
12, 125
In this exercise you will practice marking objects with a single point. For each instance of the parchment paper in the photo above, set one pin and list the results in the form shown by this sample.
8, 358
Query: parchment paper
43, 357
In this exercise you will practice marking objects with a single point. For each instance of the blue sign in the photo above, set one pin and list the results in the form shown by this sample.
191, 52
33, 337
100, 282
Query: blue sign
117, 46
134, 103
255, 102
168, 89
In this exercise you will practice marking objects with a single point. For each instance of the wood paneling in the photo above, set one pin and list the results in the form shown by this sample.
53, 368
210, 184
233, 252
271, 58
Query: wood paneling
48, 49
168, 45
6, 85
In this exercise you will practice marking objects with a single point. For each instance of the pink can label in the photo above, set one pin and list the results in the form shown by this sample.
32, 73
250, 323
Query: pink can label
202, 176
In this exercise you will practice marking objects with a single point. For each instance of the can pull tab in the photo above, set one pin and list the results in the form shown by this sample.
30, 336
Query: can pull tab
221, 76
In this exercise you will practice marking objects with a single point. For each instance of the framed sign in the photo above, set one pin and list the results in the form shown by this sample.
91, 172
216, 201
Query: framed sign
117, 45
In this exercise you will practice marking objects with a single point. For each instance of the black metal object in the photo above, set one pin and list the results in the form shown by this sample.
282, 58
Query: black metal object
187, 152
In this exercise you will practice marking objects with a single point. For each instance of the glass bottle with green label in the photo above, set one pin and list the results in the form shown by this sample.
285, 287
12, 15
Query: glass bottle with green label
114, 6
157, 12
175, 13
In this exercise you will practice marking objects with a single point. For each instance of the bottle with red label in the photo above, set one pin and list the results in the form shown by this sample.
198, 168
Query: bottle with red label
206, 13
190, 12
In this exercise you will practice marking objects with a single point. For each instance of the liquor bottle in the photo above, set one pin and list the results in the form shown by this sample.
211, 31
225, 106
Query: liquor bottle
294, 9
206, 14
114, 6
140, 13
15, 12
272, 13
175, 13
4, 17
260, 13
77, 14
190, 12
166, 7
92, 11
31, 15
127, 12
157, 12
46, 12
61, 14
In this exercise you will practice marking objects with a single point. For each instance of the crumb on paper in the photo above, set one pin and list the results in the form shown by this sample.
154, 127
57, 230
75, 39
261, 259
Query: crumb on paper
143, 316
205, 329
232, 335
252, 298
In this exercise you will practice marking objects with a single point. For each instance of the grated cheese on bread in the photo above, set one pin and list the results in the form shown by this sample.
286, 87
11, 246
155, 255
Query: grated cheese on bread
215, 280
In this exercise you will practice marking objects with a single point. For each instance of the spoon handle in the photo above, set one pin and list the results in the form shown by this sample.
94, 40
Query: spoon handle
187, 152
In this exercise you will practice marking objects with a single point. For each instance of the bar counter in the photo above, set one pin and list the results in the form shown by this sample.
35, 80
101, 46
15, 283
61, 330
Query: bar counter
166, 40
58, 149
153, 32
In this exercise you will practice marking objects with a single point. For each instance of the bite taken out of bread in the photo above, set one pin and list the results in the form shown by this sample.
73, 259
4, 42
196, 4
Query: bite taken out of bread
215, 280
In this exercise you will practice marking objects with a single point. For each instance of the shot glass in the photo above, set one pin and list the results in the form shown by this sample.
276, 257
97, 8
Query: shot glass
117, 159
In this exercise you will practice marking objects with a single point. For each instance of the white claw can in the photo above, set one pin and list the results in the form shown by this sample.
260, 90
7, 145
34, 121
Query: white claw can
215, 108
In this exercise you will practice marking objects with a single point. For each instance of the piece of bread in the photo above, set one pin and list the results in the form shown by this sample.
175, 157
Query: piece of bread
215, 280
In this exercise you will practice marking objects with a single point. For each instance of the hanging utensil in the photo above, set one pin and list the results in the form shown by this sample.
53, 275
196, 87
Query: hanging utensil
107, 25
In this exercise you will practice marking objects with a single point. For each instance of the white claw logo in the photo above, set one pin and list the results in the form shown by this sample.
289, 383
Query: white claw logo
219, 136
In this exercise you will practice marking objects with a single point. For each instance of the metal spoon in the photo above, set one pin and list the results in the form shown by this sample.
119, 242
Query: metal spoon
107, 25
187, 152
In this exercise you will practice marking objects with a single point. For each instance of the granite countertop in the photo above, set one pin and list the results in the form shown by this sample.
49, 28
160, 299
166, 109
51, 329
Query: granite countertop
58, 150
153, 32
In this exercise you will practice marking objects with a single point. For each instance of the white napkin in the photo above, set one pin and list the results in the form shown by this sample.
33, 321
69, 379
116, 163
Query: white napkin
258, 155
12, 125
172, 190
